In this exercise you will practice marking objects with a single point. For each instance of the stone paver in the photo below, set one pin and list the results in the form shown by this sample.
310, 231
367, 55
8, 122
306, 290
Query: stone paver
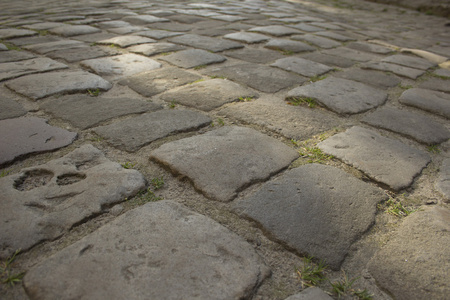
14, 55
15, 33
410, 61
442, 85
335, 36
44, 48
79, 54
132, 134
331, 207
351, 54
380, 158
301, 66
205, 42
47, 200
368, 47
317, 41
157, 48
312, 293
288, 46
157, 34
443, 181
3, 47
10, 109
193, 58
394, 68
26, 135
29, 66
435, 102
238, 156
73, 30
247, 37
255, 55
330, 60
374, 78
275, 30
144, 19
126, 40
158, 245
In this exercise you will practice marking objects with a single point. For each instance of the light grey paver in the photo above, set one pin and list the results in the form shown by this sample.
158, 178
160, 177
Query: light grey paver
126, 30
301, 66
15, 33
3, 47
335, 36
330, 60
351, 54
44, 48
156, 48
247, 37
311, 293
78, 54
442, 85
22, 136
205, 42
409, 61
368, 47
443, 181
43, 25
255, 55
432, 101
144, 19
222, 162
132, 134
306, 27
157, 34
43, 202
443, 72
10, 109
414, 263
73, 30
394, 68
126, 40
14, 55
382, 159
147, 250
341, 95
330, 207
374, 78
113, 24
193, 58
288, 46
29, 66
84, 111
276, 30
317, 40
37, 86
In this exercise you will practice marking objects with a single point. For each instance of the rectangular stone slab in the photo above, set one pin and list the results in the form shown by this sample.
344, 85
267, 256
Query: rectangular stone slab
15, 69
205, 43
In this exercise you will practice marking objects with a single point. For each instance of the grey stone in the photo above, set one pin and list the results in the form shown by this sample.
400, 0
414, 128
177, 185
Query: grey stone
222, 162
94, 37
414, 263
352, 54
335, 36
45, 48
157, 34
73, 30
43, 25
78, 54
432, 101
64, 18
247, 37
29, 66
208, 95
144, 19
186, 19
330, 207
10, 109
15, 33
327, 25
171, 26
330, 60
409, 61
205, 42
341, 95
255, 55
84, 111
368, 47
436, 84
301, 66
417, 126
396, 69
137, 132
34, 40
443, 181
161, 250
275, 30
306, 27
382, 159
3, 47
126, 40
14, 55
443, 73
193, 58
22, 136
312, 293
121, 65
127, 29
375, 78
288, 46
113, 24
43, 202
260, 77
229, 18
37, 86
157, 48
317, 41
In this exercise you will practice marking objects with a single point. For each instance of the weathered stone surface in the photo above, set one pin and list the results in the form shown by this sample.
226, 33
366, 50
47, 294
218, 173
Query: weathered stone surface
157, 48
37, 86
3, 47
15, 33
432, 101
73, 30
306, 27
396, 69
255, 55
127, 29
78, 54
229, 18
326, 25
205, 42
260, 77
288, 46
276, 30
330, 60
84, 111
22, 136
144, 19
147, 250
193, 58
383, 159
94, 37
341, 95
330, 207
132, 134
410, 61
301, 66
443, 182
29, 66
368, 47
312, 293
43, 25
208, 95
414, 264
443, 73
374, 78
239, 156
157, 81
417, 126
335, 36
14, 55
351, 54
157, 34
10, 109
170, 26
247, 37
126, 40
113, 24
43, 202
45, 48
436, 84
121, 66
317, 40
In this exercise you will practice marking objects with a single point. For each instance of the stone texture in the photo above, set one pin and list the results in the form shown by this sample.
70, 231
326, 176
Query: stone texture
43, 202
29, 66
341, 95
147, 250
374, 78
306, 27
157, 48
222, 162
351, 54
205, 42
317, 41
368, 47
410, 61
78, 54
312, 293
84, 111
417, 126
10, 109
394, 68
14, 55
435, 102
442, 85
22, 136
255, 55
126, 40
383, 159
144, 19
443, 181
10, 33
301, 66
73, 30
414, 263
193, 58
330, 60
247, 37
335, 36
260, 77
288, 46
275, 30
157, 34
132, 134
43, 25
121, 66
126, 30
3, 47
37, 86
330, 207
44, 48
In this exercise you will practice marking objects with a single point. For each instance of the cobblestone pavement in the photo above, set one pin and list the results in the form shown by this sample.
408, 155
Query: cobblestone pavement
223, 150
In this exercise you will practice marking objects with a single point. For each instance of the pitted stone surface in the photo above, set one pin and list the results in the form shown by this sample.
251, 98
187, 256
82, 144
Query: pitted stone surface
14, 55
394, 68
368, 47
147, 250
383, 159
10, 109
414, 125
443, 181
205, 42
330, 60
288, 46
78, 54
317, 40
15, 33
247, 37
44, 48
144, 19
275, 30
341, 95
208, 95
332, 209
121, 66
432, 101
22, 136
73, 30
158, 34
43, 202
193, 58
37, 86
157, 48
374, 78
414, 264
157, 81
351, 54
132, 134
255, 55
29, 66
241, 156
311, 293
84, 111
301, 66
126, 40
262, 78
410, 61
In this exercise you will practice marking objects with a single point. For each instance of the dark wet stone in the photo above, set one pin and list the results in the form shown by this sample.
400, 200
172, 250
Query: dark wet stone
156, 48
317, 40
301, 66
432, 101
14, 55
206, 43
410, 61
330, 60
73, 30
288, 46
193, 58
276, 30
375, 78
394, 68
262, 56
30, 66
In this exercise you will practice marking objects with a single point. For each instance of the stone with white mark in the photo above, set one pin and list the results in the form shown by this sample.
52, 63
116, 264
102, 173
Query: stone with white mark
126, 40
29, 66
301, 66
193, 58
432, 101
